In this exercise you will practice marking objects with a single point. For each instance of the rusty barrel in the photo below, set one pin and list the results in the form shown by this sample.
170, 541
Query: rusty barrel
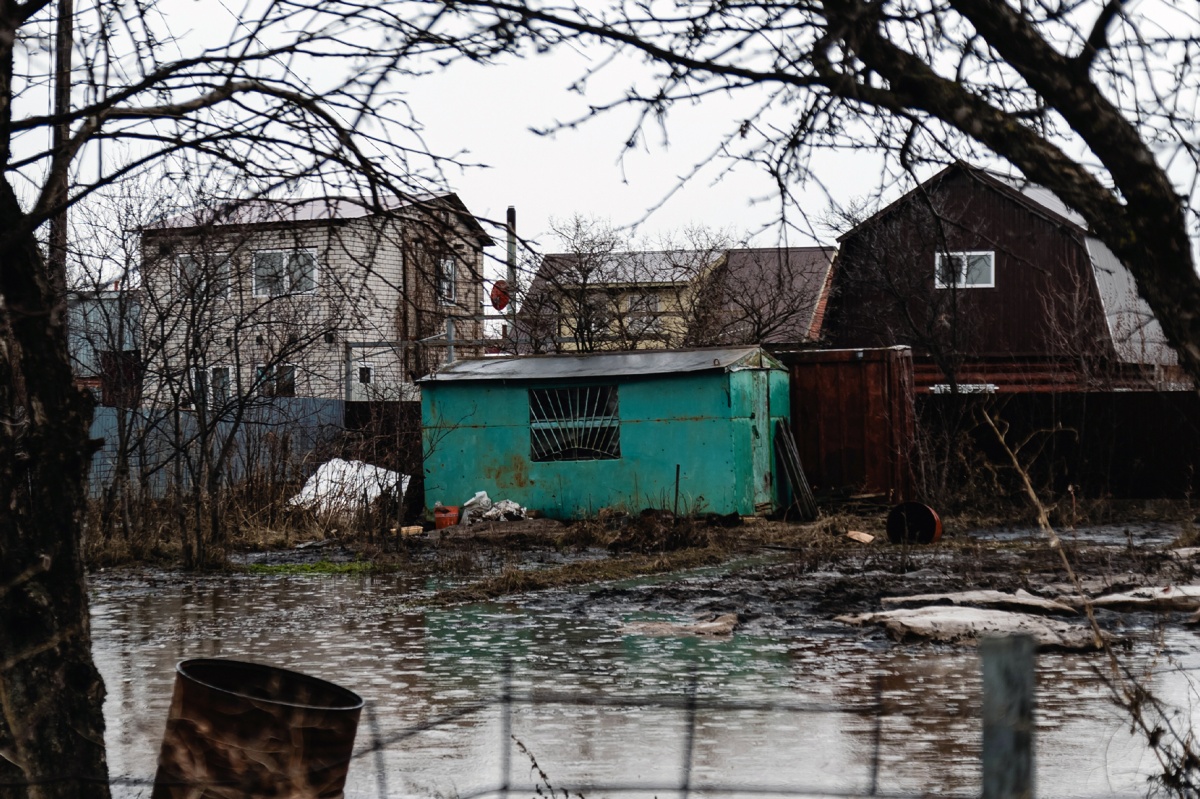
913, 523
238, 729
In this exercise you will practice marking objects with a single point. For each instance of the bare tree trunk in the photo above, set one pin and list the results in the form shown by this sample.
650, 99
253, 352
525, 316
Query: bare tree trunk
51, 695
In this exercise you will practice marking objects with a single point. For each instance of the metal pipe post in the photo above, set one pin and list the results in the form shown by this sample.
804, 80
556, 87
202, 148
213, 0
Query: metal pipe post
1008, 684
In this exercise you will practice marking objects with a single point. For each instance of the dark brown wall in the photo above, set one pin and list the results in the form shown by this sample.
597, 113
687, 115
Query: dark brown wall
1118, 444
852, 417
1044, 302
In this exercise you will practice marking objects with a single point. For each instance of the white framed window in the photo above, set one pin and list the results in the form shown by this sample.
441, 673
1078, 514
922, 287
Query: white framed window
445, 280
644, 312
211, 385
365, 374
278, 380
965, 270
280, 272
203, 277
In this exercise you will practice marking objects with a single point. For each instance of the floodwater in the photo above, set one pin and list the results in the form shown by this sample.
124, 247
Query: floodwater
788, 703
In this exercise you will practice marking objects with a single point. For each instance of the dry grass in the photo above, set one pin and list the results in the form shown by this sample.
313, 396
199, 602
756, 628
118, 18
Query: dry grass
515, 581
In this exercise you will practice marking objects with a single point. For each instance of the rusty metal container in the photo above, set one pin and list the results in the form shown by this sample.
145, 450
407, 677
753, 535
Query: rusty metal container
913, 523
238, 729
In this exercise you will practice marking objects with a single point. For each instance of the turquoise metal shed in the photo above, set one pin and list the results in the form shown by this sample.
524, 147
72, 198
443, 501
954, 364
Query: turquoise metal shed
571, 434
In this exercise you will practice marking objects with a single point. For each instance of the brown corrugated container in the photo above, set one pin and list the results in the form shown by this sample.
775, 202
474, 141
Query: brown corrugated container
852, 417
239, 729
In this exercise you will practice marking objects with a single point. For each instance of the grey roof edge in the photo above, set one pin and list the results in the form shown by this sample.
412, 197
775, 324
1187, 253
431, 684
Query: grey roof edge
606, 364
264, 212
1006, 185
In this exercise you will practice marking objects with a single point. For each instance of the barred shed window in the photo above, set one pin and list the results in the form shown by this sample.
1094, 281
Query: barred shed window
574, 424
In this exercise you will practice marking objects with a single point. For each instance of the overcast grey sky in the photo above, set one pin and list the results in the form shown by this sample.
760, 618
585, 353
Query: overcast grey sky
488, 111
485, 112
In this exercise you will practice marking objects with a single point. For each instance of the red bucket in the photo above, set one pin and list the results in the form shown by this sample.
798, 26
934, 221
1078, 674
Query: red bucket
445, 516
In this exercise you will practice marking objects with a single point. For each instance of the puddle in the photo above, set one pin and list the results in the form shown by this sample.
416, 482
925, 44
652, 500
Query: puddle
789, 701
1139, 534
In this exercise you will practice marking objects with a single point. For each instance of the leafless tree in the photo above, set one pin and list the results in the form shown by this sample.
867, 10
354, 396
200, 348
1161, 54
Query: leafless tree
606, 290
265, 109
1089, 99
760, 295
248, 324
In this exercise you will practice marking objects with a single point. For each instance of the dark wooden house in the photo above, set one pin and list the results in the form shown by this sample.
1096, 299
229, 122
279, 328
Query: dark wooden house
998, 287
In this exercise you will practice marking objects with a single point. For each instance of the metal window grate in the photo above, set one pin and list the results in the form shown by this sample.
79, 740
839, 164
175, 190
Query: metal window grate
574, 424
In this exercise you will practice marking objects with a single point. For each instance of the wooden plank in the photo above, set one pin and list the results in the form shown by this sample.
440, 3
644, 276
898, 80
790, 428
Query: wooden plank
801, 493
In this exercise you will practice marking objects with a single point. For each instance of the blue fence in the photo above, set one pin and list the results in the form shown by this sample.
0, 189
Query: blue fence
280, 437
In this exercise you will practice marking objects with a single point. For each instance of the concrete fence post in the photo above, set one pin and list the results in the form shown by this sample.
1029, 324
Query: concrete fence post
1008, 686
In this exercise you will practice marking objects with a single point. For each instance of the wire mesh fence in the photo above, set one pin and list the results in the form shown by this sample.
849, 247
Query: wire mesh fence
668, 749
519, 749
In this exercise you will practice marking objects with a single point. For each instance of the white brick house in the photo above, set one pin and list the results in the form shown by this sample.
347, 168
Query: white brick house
323, 298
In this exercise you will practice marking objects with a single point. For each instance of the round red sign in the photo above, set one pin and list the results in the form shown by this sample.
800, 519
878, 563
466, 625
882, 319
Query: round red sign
500, 295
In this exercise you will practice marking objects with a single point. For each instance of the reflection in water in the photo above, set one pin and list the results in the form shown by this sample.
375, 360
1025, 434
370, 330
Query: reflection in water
414, 667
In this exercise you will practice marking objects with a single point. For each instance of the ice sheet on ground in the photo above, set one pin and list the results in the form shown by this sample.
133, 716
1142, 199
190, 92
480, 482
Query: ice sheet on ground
340, 486
958, 625
1150, 597
1021, 600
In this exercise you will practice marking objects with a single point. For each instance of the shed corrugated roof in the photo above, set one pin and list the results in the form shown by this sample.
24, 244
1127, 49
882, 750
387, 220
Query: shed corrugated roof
607, 364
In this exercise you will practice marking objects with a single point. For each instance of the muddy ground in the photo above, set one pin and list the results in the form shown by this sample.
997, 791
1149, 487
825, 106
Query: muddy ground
774, 575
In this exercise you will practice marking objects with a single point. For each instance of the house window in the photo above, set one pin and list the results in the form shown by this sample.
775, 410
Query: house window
204, 278
644, 312
445, 281
574, 424
366, 374
218, 385
595, 313
276, 381
279, 272
121, 374
966, 270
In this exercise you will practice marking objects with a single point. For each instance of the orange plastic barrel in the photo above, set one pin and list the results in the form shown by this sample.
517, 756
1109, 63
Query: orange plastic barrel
913, 523
445, 516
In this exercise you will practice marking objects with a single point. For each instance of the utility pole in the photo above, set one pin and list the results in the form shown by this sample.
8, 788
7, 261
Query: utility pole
512, 275
64, 43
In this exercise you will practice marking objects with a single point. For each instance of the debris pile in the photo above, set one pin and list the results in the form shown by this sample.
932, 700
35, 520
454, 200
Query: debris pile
480, 508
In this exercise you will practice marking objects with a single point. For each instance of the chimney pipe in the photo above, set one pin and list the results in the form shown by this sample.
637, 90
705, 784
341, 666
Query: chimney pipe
512, 269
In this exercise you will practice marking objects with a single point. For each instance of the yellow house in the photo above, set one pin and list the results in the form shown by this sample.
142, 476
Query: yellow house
598, 301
